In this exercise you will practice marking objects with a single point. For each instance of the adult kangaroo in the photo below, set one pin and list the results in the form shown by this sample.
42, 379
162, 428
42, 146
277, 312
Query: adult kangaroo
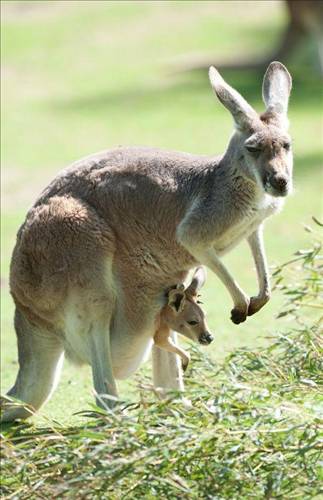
111, 233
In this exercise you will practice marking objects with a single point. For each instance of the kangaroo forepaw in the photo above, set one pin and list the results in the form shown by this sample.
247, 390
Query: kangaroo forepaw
256, 303
185, 364
238, 316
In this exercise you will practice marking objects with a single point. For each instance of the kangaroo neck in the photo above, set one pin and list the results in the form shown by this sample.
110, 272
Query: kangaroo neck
234, 163
231, 188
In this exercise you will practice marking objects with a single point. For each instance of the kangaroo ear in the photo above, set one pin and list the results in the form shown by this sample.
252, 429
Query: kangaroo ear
276, 88
243, 114
197, 282
176, 300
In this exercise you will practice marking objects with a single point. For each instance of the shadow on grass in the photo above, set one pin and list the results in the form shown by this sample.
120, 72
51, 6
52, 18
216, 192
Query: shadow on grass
306, 92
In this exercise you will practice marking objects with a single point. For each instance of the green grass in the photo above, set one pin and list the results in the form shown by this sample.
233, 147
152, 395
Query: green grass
78, 78
253, 429
253, 432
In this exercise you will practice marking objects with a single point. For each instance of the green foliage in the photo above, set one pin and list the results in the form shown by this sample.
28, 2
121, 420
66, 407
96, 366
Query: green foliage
302, 290
252, 429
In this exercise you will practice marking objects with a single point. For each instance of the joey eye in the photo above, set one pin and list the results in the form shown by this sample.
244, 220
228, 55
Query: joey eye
193, 323
253, 149
286, 146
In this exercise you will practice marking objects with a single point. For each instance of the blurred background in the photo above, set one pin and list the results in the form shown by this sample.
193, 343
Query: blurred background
83, 76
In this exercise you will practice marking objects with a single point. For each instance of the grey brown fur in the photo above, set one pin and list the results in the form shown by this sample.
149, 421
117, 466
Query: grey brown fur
110, 234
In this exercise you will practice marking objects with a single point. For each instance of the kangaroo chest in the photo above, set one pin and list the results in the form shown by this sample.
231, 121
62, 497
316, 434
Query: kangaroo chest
234, 235
246, 224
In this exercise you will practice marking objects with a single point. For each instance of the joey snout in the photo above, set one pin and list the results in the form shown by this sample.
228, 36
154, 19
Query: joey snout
205, 338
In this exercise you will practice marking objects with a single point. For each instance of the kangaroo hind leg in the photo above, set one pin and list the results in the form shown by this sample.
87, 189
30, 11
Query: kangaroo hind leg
40, 354
101, 362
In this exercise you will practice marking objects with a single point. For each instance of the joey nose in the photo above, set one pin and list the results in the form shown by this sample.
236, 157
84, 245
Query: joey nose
205, 338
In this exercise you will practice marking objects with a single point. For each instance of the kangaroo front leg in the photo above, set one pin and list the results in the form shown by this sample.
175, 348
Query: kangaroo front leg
167, 373
240, 300
163, 341
256, 243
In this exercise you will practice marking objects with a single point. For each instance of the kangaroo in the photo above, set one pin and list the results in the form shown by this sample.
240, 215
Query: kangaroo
183, 314
112, 232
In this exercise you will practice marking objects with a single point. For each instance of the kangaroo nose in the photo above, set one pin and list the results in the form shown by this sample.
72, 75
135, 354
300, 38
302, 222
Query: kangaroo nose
205, 338
279, 183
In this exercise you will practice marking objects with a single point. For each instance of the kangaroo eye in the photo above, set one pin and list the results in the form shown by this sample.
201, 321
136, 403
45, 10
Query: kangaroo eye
193, 323
286, 146
253, 149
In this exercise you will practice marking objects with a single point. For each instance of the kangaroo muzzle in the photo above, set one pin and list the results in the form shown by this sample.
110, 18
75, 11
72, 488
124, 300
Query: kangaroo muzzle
280, 184
205, 338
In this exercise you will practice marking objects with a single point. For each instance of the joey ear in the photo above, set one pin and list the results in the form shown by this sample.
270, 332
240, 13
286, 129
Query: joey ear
197, 282
176, 300
276, 88
243, 114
